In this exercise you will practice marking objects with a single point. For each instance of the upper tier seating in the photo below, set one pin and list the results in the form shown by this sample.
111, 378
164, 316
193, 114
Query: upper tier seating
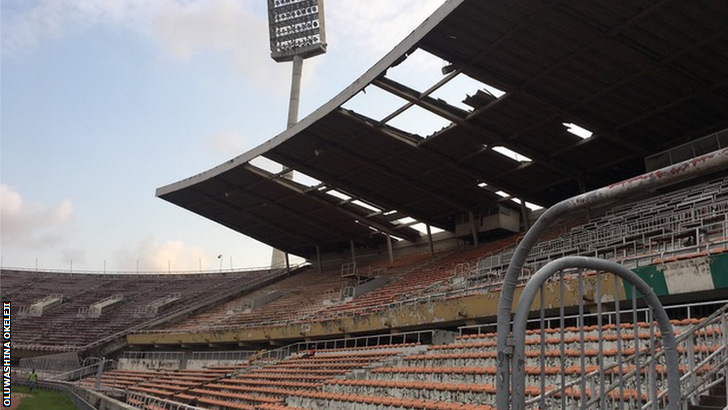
66, 328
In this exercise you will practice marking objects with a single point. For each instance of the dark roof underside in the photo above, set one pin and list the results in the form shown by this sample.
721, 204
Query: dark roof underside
643, 76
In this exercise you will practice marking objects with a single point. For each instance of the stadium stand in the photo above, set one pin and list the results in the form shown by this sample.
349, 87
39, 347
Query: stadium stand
648, 192
635, 235
456, 375
69, 327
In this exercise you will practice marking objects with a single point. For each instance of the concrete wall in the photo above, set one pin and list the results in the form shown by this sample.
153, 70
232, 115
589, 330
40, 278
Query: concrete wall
200, 364
102, 402
149, 364
452, 311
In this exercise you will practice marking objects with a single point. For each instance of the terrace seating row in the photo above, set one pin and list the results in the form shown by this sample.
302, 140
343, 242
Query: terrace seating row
305, 296
302, 295
61, 328
459, 375
264, 382
688, 219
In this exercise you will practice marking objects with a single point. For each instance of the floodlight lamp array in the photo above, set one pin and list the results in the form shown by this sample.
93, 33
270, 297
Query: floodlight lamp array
296, 28
303, 27
295, 14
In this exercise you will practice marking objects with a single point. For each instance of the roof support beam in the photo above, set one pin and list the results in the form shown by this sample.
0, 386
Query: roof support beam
569, 113
364, 164
280, 203
458, 117
263, 222
293, 186
311, 194
647, 67
413, 96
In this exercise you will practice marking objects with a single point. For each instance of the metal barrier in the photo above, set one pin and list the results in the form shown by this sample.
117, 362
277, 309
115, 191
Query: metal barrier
223, 355
385, 340
685, 170
608, 318
152, 355
86, 370
602, 361
60, 362
145, 401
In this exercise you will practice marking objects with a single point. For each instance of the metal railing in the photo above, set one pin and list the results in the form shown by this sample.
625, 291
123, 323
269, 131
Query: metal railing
605, 349
152, 355
386, 341
239, 355
84, 371
145, 401
608, 318
621, 191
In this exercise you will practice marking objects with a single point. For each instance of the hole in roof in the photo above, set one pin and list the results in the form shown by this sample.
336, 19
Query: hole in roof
422, 228
338, 194
374, 103
516, 156
404, 221
418, 121
462, 86
266, 164
502, 194
365, 205
393, 211
529, 205
396, 238
420, 71
305, 180
577, 130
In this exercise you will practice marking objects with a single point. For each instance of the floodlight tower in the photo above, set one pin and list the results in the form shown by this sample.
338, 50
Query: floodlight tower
296, 30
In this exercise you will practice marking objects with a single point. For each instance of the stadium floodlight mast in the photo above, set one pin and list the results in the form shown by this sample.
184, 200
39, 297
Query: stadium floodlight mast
296, 30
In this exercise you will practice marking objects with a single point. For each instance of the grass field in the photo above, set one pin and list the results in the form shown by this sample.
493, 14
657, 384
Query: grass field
43, 400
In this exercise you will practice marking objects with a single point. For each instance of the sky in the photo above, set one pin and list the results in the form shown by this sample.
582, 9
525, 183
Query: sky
104, 101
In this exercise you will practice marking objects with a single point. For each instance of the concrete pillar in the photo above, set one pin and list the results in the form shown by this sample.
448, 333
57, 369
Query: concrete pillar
353, 253
429, 240
389, 249
473, 228
318, 259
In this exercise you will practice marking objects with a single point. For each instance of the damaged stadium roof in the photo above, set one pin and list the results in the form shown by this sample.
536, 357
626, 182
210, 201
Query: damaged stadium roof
566, 96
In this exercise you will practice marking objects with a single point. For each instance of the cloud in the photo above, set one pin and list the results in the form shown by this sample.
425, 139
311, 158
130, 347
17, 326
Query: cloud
223, 26
154, 256
186, 29
183, 29
27, 23
31, 224
225, 144
73, 255
376, 28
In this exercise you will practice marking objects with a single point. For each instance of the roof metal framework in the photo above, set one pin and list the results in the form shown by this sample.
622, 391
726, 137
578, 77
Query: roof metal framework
642, 76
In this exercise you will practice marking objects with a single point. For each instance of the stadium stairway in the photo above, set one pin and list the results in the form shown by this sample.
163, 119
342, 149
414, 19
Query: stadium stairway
714, 400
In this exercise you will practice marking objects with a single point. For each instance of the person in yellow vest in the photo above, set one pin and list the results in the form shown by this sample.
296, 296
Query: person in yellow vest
32, 380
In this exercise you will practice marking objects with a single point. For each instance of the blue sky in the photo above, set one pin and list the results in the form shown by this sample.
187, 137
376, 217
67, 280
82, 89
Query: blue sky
103, 101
